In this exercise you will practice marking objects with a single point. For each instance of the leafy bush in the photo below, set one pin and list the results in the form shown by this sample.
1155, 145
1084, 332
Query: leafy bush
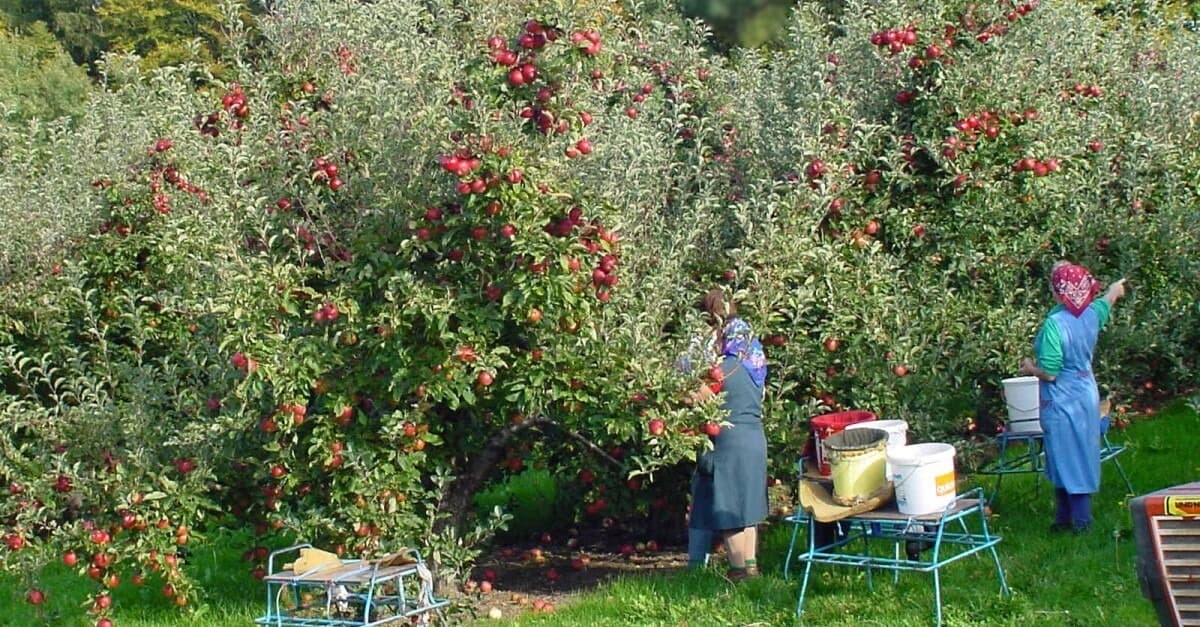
532, 498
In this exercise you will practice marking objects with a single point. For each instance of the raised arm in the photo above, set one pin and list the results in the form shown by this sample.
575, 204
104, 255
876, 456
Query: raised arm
1115, 292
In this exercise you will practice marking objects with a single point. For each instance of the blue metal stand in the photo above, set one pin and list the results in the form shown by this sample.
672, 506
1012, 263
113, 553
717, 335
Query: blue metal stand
354, 593
946, 534
1029, 456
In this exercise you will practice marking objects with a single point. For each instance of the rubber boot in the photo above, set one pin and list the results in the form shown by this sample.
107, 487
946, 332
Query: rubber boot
1062, 511
700, 541
1081, 512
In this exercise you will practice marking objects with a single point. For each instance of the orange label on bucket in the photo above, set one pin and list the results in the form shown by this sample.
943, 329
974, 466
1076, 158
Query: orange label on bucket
944, 483
1186, 506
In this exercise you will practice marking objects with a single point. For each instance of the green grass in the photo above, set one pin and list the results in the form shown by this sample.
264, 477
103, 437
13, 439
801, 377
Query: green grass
1056, 580
234, 597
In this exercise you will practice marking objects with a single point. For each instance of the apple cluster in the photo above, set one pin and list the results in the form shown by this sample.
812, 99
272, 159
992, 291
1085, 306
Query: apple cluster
464, 163
895, 39
234, 103
167, 173
1084, 90
243, 363
207, 124
1036, 166
815, 170
123, 209
1020, 10
325, 170
604, 274
982, 125
588, 42
345, 59
524, 74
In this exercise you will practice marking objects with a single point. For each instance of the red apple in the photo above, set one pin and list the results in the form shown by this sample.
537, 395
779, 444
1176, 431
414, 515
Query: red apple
831, 344
656, 427
484, 378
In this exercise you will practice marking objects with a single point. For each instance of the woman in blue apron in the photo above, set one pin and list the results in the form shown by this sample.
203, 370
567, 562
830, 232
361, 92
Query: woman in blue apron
1070, 399
729, 488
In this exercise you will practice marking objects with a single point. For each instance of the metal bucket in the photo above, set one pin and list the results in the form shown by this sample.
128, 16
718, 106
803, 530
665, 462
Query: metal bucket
858, 458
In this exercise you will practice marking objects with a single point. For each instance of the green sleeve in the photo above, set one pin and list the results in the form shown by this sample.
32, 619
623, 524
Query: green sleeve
1103, 309
1049, 343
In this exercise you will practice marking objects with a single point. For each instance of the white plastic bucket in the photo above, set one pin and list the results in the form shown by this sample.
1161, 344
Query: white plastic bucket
1024, 405
897, 431
924, 478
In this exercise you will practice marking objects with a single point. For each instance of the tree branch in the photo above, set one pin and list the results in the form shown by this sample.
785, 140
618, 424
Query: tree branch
579, 437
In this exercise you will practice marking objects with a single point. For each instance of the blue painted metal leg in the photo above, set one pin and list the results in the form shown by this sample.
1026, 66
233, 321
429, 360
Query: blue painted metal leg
937, 595
791, 546
1004, 589
812, 546
937, 570
1110, 452
867, 551
896, 558
803, 589
1128, 485
987, 537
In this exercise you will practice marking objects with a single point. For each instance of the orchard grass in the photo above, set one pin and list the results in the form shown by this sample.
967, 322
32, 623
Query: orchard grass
1056, 580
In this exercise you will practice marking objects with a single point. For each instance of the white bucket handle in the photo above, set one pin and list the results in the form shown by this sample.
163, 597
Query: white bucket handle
916, 464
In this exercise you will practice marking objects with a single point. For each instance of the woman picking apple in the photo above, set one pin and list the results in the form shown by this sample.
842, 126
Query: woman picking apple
729, 487
1070, 400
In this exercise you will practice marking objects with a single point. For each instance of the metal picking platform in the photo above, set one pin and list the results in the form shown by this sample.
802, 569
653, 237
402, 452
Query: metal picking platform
946, 537
1021, 453
352, 593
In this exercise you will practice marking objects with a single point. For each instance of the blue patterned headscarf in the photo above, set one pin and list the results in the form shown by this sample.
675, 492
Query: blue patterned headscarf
741, 343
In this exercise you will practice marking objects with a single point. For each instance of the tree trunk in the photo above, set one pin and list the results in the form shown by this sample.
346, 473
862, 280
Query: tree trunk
478, 468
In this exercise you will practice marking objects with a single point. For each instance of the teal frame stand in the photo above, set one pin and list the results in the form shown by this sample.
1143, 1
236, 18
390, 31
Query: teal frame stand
946, 534
1029, 456
354, 593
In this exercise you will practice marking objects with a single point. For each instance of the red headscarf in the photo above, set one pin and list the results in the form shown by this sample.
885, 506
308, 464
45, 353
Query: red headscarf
1074, 287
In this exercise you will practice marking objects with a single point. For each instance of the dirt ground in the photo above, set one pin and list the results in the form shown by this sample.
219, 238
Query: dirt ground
545, 573
544, 576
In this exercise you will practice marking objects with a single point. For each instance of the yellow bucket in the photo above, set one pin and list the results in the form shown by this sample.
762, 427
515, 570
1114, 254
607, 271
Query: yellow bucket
858, 458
